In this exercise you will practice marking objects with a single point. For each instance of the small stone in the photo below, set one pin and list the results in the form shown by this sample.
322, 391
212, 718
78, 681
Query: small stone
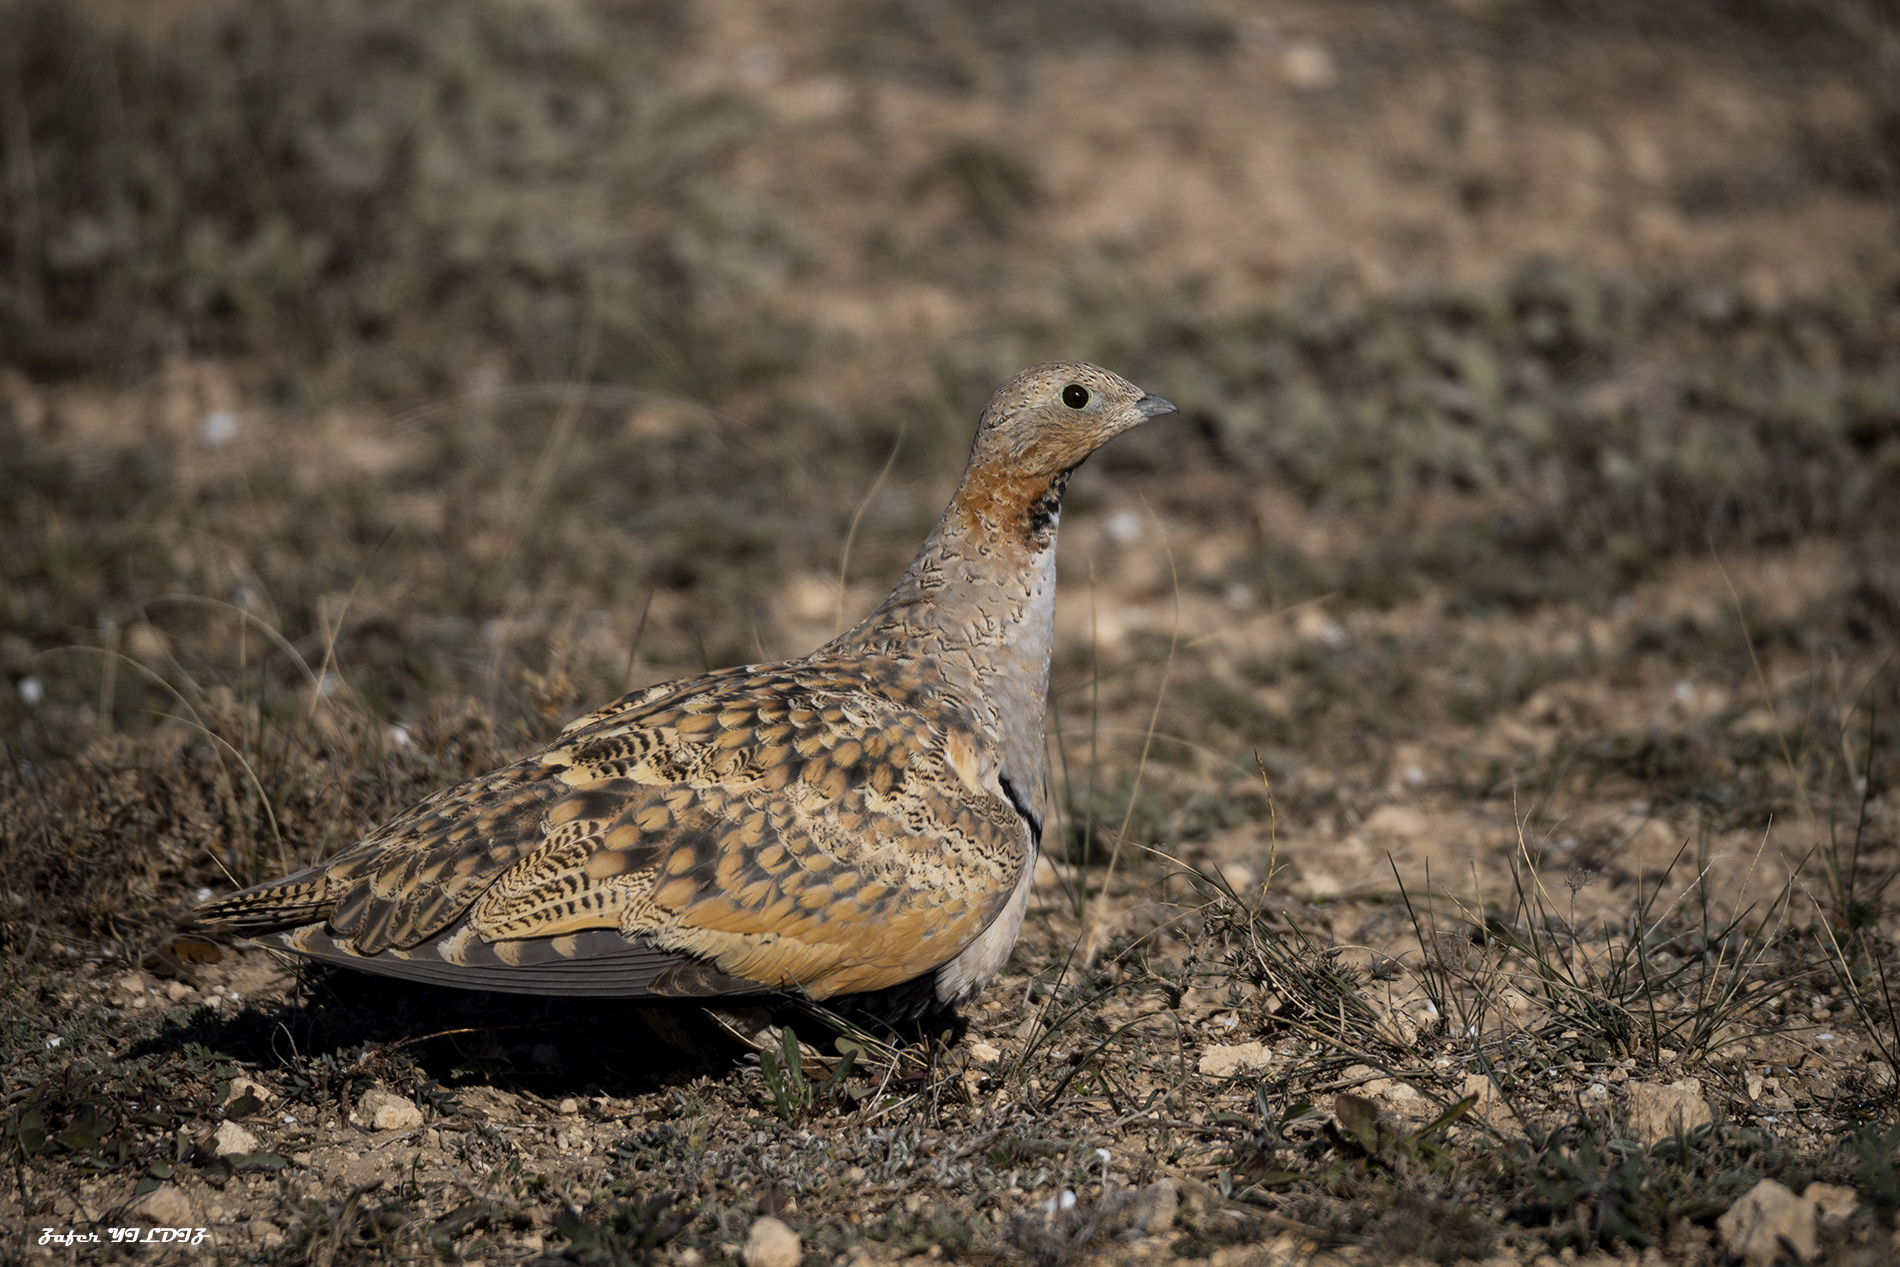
1397, 1028
178, 991
1880, 1074
232, 1140
1658, 1112
1396, 822
381, 1111
266, 1233
772, 1244
1225, 1062
1240, 879
1768, 1214
1308, 66
570, 1107
165, 1206
1317, 883
1151, 1212
1831, 1201
984, 1054
854, 1175
1406, 1100
242, 1086
1477, 1084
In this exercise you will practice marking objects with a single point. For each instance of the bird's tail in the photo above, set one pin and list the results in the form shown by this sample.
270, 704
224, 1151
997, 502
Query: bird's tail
295, 899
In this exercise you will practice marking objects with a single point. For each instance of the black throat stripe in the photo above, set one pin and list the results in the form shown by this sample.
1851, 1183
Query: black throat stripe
1046, 508
1021, 807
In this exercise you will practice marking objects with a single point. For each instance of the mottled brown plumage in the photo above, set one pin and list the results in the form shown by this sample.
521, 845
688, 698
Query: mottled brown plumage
860, 820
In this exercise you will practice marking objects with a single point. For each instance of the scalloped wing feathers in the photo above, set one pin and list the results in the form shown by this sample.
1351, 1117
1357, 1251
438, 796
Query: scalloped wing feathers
826, 826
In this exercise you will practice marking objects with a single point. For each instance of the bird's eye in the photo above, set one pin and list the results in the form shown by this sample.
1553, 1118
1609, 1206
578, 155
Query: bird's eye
1075, 396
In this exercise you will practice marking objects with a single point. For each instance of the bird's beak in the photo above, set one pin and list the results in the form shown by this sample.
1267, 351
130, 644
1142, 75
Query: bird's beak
1153, 406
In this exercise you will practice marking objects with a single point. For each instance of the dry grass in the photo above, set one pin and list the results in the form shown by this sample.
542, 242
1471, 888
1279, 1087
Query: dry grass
1480, 703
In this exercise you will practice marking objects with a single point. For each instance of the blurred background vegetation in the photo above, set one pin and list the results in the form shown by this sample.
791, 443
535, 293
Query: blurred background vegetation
519, 351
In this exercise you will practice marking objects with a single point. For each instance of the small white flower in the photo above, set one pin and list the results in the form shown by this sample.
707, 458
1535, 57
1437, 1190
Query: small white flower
32, 691
1064, 1202
54, 1041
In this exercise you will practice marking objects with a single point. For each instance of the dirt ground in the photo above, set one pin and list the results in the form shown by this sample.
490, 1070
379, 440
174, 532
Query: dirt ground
1475, 716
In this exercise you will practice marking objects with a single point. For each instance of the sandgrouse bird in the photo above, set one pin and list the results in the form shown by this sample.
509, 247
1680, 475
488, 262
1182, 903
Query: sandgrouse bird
860, 822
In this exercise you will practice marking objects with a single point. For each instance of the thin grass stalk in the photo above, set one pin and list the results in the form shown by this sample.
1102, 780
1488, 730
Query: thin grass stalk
1147, 744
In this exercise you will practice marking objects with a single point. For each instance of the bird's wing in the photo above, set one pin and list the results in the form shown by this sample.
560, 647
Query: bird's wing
827, 826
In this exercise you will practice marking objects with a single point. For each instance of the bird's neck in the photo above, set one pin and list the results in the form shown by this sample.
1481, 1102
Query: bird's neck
979, 600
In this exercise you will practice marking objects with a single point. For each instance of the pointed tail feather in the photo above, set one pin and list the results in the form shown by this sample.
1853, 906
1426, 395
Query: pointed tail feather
597, 963
298, 899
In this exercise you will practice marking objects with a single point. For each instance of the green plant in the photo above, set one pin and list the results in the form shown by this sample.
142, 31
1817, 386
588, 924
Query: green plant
624, 1235
1654, 982
784, 1072
948, 1232
1362, 1124
1596, 1191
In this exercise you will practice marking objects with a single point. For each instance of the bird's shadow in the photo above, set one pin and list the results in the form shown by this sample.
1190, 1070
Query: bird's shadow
337, 1021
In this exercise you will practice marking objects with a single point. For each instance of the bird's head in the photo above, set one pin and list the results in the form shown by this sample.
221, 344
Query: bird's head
1046, 420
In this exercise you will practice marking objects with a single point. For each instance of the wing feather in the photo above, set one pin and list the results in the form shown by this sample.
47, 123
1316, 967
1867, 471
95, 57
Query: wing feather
826, 826
599, 964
